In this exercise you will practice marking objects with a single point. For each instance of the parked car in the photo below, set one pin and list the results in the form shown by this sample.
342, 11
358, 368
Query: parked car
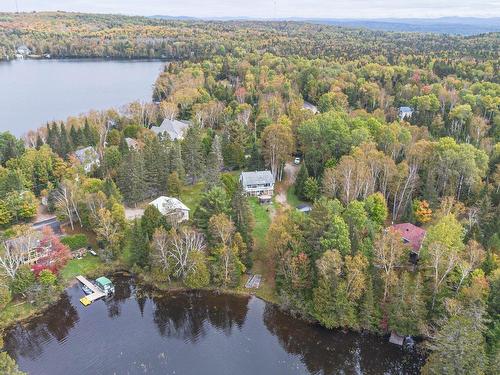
296, 161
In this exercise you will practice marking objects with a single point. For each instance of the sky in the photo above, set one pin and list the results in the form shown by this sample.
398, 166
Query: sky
269, 8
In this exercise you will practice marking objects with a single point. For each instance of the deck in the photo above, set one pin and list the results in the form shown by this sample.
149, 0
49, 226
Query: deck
97, 293
253, 282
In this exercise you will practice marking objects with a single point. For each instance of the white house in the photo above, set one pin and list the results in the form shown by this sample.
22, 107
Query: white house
174, 128
172, 208
405, 112
257, 183
88, 157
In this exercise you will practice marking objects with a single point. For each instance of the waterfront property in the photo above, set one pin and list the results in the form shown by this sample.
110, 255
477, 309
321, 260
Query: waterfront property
413, 236
172, 208
88, 158
101, 288
175, 129
257, 183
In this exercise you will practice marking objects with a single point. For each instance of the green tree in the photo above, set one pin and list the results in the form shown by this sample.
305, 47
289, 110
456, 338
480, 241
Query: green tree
47, 278
151, 220
300, 181
192, 153
174, 184
376, 208
337, 236
406, 310
8, 366
23, 280
139, 245
311, 190
198, 276
213, 202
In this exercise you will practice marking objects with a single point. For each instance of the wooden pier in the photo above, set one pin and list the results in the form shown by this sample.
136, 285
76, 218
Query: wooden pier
253, 282
97, 293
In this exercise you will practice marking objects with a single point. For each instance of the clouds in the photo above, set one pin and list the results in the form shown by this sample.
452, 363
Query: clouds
270, 8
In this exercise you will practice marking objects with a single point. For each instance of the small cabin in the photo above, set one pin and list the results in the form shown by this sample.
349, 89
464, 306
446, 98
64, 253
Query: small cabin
412, 236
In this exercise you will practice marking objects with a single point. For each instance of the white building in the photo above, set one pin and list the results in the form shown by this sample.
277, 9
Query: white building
88, 157
257, 183
174, 128
172, 208
405, 112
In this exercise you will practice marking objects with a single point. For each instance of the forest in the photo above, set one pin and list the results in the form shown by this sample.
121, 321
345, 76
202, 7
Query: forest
247, 89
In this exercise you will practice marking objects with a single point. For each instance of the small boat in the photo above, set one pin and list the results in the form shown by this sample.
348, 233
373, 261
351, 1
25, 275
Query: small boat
86, 290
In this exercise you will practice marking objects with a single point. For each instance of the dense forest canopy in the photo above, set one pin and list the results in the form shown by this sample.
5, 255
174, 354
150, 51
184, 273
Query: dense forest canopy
82, 35
389, 127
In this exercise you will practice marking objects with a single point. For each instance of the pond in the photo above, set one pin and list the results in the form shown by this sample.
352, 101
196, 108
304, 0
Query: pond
141, 332
33, 92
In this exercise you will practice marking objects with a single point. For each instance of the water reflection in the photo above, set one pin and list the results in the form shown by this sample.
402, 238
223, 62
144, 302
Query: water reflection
327, 352
28, 340
195, 332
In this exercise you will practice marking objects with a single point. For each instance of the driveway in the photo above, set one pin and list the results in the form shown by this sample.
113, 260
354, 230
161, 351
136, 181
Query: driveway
291, 171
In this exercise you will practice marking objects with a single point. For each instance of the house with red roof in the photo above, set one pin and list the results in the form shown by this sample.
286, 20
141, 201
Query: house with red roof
413, 236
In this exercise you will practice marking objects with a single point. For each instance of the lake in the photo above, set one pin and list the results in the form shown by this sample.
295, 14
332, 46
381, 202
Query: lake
141, 332
33, 92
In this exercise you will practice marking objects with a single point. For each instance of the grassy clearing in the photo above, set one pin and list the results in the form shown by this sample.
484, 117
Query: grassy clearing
89, 264
262, 221
292, 199
191, 195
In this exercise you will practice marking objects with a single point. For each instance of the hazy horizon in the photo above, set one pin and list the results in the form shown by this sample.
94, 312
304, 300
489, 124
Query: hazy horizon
269, 9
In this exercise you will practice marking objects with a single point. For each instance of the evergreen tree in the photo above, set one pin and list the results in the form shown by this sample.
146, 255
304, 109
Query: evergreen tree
174, 185
367, 313
256, 161
213, 202
406, 310
65, 146
155, 163
73, 135
176, 163
131, 178
242, 215
215, 163
302, 177
192, 153
151, 220
139, 245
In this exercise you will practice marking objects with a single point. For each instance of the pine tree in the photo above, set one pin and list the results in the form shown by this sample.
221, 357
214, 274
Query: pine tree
213, 202
174, 184
192, 153
367, 313
131, 178
176, 163
73, 135
156, 168
139, 245
300, 181
215, 163
65, 146
242, 215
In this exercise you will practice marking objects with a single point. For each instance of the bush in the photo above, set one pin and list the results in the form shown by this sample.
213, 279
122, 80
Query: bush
76, 241
23, 280
5, 296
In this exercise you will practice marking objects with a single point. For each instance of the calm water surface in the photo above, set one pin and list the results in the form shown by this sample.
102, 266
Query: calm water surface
137, 332
33, 92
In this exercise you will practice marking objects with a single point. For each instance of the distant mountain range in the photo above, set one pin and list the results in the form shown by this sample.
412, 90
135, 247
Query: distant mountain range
445, 25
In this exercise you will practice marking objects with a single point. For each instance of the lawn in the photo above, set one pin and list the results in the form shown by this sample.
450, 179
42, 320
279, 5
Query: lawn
262, 221
191, 195
292, 199
88, 264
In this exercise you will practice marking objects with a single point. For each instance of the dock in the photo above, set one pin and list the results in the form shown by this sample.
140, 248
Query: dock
253, 282
97, 293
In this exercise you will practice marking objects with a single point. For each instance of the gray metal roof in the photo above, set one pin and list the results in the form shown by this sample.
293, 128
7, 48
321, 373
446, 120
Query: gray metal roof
257, 178
174, 128
87, 154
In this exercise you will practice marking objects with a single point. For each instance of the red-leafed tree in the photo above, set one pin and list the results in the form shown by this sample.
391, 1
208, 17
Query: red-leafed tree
55, 253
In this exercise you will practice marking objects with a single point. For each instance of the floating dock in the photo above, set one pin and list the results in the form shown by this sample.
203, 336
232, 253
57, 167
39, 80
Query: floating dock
253, 282
96, 292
